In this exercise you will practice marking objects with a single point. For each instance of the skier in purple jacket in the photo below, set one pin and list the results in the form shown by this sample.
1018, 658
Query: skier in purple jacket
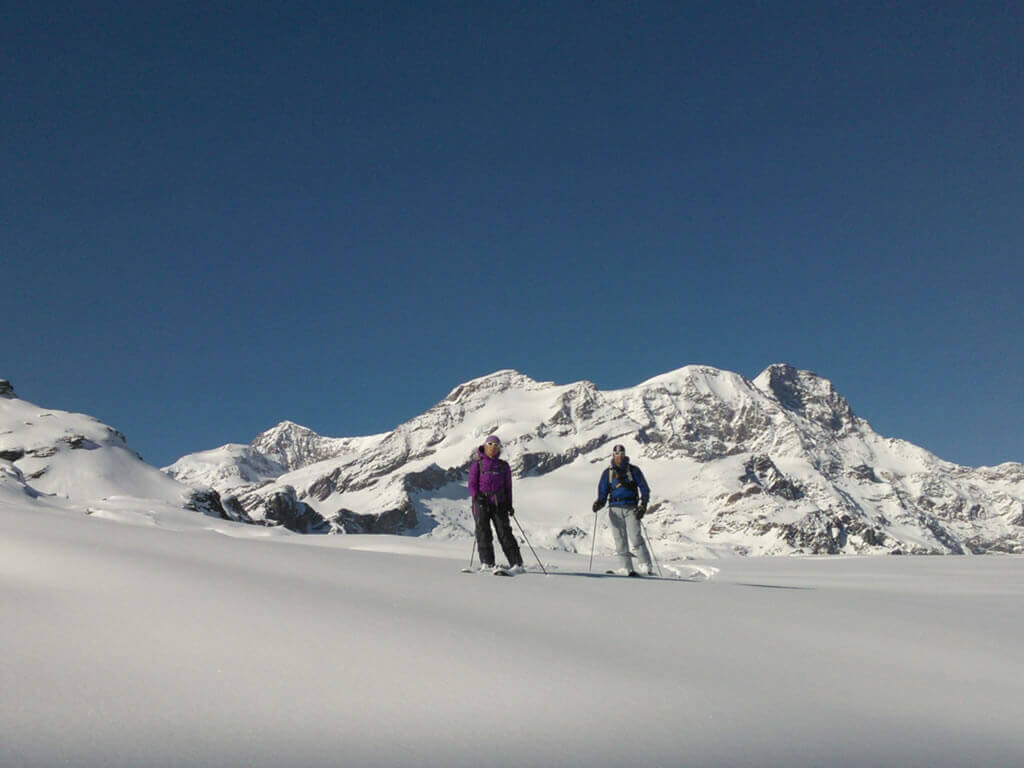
490, 487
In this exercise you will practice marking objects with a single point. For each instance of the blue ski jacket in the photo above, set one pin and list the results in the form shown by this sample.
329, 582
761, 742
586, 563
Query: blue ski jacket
615, 484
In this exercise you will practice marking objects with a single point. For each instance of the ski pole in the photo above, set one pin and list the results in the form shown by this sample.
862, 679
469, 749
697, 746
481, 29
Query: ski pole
473, 554
593, 540
651, 548
530, 545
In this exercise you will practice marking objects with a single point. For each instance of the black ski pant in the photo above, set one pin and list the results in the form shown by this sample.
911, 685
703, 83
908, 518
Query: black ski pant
486, 512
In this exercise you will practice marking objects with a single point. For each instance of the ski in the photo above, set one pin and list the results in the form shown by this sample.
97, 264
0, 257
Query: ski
495, 571
631, 574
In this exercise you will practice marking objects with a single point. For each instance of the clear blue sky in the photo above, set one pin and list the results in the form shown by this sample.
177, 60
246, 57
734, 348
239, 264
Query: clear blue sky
217, 216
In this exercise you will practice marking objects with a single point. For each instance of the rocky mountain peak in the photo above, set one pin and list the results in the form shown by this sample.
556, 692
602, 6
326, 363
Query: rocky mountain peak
680, 378
807, 394
294, 446
291, 445
6, 390
286, 430
499, 381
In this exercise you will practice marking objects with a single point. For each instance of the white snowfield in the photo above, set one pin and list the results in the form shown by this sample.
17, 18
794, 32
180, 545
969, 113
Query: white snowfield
166, 638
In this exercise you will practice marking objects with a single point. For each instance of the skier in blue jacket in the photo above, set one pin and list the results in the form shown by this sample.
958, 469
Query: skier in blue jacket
625, 489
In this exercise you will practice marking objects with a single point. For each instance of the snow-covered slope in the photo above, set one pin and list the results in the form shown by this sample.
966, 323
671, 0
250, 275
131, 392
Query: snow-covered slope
228, 467
193, 641
775, 465
75, 461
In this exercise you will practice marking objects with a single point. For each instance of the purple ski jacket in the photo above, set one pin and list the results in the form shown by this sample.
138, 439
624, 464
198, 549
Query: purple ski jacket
491, 477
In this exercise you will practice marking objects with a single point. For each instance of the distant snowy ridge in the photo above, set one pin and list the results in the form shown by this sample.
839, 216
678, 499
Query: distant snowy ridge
775, 465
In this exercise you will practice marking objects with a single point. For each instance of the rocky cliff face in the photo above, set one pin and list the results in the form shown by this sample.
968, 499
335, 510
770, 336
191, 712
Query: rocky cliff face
775, 465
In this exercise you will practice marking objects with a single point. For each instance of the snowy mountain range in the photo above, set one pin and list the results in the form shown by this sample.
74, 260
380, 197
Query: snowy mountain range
775, 465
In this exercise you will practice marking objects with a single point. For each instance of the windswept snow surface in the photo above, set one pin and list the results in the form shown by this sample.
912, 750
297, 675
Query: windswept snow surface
190, 641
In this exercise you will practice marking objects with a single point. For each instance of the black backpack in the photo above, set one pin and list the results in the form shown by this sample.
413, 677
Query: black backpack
629, 483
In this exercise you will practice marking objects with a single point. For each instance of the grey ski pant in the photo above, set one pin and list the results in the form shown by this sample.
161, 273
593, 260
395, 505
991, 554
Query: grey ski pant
623, 521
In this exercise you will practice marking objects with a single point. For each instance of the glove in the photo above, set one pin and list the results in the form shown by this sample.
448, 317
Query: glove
511, 512
641, 510
597, 505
